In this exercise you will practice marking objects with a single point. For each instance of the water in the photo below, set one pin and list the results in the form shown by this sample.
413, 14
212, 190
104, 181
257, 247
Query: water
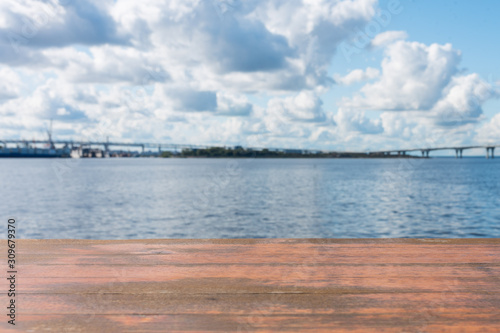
233, 198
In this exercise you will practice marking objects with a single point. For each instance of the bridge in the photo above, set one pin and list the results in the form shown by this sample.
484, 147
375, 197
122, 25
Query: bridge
490, 149
105, 144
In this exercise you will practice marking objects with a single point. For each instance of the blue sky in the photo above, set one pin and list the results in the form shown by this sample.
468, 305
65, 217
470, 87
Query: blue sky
253, 73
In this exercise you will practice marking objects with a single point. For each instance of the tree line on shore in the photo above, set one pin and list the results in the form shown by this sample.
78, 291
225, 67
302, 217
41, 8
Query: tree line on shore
240, 152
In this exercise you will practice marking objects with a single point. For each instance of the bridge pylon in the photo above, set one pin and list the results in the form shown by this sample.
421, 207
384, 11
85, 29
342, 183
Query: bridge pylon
488, 152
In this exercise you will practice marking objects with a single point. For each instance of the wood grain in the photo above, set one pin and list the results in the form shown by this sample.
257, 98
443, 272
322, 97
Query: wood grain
257, 285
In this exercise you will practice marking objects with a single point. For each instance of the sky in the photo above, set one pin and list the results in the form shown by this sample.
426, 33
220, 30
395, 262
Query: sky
349, 75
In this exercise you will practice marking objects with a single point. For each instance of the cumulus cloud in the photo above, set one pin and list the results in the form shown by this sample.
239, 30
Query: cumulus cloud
9, 85
413, 77
462, 101
350, 120
51, 100
399, 125
304, 107
388, 37
233, 105
315, 28
357, 75
489, 133
41, 24
107, 64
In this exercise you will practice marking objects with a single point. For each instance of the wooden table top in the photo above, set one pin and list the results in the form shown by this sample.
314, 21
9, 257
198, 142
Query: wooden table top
256, 285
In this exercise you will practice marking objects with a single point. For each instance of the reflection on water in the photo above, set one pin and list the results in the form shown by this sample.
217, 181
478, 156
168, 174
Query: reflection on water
232, 198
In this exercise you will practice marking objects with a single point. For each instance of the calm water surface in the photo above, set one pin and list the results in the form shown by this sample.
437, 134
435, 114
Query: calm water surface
233, 198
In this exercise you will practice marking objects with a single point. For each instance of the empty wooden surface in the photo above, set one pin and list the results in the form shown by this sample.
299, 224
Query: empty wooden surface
285, 285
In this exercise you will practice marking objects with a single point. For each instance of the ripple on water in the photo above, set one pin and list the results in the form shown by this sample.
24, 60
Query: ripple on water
144, 198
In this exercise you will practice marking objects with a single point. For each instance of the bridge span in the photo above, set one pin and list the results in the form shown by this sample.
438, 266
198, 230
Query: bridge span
490, 150
106, 144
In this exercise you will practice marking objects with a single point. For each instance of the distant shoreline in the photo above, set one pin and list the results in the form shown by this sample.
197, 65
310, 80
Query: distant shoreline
239, 152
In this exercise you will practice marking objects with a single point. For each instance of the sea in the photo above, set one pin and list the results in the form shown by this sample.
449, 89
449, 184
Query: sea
140, 198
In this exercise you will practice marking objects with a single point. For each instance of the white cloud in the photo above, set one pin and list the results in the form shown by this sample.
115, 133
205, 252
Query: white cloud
350, 120
462, 100
388, 37
233, 105
489, 133
413, 77
30, 25
399, 125
357, 75
10, 84
107, 64
304, 107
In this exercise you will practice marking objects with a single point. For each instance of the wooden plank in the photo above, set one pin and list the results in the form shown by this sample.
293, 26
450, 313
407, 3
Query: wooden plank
258, 285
